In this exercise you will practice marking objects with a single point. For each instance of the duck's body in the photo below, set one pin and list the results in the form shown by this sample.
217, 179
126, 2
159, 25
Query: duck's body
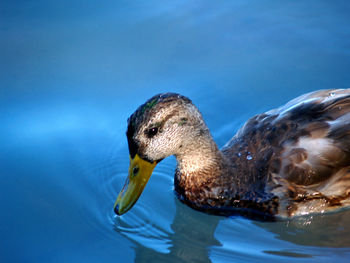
290, 161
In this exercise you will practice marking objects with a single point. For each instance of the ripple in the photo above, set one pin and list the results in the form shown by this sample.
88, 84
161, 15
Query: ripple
288, 254
139, 226
160, 223
100, 181
310, 230
148, 222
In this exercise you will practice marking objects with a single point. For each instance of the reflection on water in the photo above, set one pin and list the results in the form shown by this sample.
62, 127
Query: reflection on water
72, 72
187, 235
162, 232
326, 230
191, 238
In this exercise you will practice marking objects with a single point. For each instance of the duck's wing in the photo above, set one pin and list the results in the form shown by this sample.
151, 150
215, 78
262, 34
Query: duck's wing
316, 142
299, 152
313, 158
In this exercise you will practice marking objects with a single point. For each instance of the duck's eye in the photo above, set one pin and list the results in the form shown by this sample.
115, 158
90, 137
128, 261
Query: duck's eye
151, 132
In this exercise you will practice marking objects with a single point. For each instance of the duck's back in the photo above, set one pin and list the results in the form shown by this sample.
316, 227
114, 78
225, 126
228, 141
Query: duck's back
299, 153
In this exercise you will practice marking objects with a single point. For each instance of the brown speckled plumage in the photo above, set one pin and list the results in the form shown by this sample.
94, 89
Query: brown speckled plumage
289, 161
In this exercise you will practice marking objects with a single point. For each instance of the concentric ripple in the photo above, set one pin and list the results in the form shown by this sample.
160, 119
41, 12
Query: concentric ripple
161, 227
148, 222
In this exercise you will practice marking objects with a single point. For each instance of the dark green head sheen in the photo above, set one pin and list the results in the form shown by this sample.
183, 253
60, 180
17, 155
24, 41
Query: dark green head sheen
149, 104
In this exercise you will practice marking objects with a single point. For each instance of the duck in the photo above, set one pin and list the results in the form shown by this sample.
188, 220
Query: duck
290, 161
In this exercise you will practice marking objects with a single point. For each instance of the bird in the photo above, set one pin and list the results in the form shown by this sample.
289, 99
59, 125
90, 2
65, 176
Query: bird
290, 161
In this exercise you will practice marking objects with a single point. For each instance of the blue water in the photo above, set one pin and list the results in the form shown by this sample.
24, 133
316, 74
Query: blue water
71, 72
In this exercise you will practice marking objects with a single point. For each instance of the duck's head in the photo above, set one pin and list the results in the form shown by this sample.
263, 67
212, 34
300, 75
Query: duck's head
161, 127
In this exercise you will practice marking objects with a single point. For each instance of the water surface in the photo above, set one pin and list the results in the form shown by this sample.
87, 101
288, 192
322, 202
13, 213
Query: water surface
72, 72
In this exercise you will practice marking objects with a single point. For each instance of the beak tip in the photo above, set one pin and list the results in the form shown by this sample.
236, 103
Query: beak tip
116, 210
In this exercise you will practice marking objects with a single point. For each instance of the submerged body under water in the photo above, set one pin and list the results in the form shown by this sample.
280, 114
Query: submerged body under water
71, 74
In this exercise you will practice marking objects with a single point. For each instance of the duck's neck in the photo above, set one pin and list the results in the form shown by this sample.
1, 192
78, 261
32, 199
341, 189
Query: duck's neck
200, 166
200, 157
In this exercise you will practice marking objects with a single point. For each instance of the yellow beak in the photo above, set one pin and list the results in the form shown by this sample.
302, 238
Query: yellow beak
139, 173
